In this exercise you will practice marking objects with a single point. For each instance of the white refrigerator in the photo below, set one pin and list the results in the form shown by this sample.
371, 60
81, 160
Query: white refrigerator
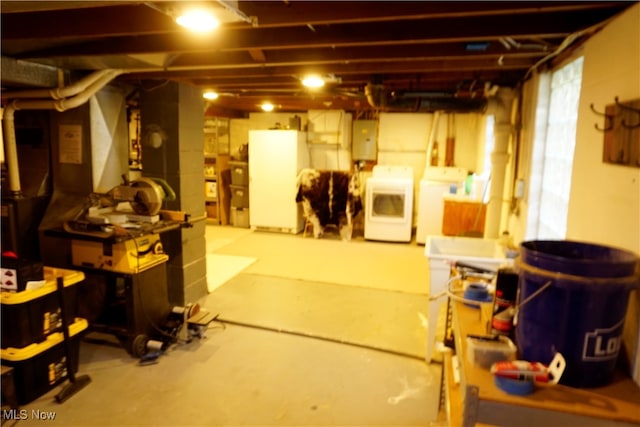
275, 159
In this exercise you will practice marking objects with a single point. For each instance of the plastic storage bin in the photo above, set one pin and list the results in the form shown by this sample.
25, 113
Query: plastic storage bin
38, 368
29, 316
239, 173
15, 273
485, 352
239, 196
240, 217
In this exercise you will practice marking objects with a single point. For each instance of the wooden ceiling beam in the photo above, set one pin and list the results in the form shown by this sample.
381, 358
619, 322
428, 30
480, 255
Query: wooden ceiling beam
109, 19
89, 22
231, 42
376, 67
407, 80
312, 57
278, 14
437, 31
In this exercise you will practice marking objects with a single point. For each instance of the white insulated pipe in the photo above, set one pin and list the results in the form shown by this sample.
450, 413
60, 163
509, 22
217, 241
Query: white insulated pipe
500, 106
10, 150
433, 135
83, 91
62, 92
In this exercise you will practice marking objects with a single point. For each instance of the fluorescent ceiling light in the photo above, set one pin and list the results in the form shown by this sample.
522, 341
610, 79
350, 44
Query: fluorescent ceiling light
267, 106
210, 95
313, 81
198, 20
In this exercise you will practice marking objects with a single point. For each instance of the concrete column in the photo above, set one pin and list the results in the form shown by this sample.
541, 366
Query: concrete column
174, 115
500, 107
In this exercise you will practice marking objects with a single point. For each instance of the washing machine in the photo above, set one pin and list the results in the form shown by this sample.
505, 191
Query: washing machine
436, 181
389, 204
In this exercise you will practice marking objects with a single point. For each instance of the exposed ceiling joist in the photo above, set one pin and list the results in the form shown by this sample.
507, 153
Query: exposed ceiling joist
263, 47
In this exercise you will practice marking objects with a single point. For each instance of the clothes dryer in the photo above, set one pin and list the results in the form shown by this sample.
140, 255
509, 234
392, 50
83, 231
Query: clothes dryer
389, 204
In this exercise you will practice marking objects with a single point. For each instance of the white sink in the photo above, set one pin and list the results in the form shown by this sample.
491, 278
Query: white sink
442, 251
482, 253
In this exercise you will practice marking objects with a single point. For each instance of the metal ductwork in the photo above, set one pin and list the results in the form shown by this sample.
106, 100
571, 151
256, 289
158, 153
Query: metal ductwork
59, 99
423, 101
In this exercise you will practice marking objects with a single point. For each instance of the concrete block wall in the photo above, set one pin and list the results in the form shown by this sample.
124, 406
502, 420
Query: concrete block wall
175, 112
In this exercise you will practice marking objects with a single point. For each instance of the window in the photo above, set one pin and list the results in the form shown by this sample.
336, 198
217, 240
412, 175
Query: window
552, 160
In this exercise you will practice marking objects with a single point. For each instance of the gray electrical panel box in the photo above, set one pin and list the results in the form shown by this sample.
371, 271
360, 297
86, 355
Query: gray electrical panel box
364, 141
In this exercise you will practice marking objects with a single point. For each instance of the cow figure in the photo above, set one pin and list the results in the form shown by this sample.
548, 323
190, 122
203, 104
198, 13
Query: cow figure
329, 198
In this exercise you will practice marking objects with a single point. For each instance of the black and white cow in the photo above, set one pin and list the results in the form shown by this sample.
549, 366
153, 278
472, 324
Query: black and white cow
329, 197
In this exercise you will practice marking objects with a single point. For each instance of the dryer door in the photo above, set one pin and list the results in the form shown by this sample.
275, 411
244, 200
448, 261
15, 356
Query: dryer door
388, 204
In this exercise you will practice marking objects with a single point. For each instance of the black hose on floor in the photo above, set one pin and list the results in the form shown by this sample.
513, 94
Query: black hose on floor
328, 339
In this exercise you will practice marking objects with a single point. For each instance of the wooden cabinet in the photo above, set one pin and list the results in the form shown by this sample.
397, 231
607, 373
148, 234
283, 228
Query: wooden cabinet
463, 217
472, 397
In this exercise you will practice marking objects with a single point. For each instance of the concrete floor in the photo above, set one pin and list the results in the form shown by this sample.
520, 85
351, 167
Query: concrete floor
247, 377
244, 376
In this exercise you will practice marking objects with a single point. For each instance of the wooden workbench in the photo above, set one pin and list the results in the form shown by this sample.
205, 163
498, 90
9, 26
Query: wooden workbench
476, 399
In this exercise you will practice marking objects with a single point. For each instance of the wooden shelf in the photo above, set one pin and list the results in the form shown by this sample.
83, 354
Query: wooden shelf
549, 405
220, 164
216, 172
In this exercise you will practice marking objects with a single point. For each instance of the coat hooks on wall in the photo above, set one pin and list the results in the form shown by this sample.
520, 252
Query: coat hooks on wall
621, 131
626, 107
608, 119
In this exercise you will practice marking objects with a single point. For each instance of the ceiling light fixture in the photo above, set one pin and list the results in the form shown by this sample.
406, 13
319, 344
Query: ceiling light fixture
210, 95
313, 81
267, 107
198, 20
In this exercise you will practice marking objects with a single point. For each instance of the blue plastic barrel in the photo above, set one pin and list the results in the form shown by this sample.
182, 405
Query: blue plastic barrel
573, 299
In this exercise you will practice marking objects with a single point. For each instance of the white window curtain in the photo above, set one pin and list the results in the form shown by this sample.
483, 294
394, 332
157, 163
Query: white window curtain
552, 157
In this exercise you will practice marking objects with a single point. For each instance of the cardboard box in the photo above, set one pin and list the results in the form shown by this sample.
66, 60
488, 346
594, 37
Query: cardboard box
212, 210
211, 190
16, 272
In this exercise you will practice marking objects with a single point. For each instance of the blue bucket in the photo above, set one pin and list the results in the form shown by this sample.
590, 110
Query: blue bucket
572, 299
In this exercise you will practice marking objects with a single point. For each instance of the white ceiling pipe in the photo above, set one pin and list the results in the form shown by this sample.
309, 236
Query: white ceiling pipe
501, 108
95, 84
82, 97
10, 150
59, 93
433, 135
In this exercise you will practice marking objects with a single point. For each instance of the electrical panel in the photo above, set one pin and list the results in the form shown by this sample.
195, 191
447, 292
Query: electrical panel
365, 140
